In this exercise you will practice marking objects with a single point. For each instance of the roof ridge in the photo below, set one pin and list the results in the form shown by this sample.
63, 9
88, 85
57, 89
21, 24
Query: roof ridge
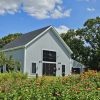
38, 29
25, 38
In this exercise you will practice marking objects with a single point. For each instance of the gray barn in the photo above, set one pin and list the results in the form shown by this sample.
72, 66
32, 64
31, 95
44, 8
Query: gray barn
41, 52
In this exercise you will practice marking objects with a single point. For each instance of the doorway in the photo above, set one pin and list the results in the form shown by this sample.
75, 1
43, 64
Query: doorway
49, 69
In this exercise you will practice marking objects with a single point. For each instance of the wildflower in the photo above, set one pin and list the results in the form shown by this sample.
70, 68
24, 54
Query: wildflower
88, 89
87, 83
78, 91
57, 94
78, 84
98, 88
37, 83
26, 90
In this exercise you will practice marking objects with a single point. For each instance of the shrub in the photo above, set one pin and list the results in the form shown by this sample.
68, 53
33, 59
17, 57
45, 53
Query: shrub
16, 86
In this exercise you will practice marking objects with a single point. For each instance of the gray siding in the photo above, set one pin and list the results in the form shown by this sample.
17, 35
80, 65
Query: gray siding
18, 55
47, 42
76, 64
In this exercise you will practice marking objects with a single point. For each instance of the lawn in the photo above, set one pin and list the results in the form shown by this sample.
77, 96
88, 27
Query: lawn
16, 86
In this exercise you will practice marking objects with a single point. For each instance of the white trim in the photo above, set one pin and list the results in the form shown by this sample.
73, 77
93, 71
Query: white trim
48, 62
24, 70
19, 47
49, 50
57, 34
38, 36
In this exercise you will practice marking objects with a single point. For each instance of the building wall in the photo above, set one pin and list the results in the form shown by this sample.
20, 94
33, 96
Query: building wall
47, 42
18, 55
76, 64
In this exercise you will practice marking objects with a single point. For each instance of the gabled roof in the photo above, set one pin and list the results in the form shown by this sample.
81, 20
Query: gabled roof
76, 64
28, 38
25, 38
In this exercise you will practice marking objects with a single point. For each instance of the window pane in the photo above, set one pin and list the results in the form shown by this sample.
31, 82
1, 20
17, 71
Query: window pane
49, 69
33, 67
63, 70
1, 69
49, 56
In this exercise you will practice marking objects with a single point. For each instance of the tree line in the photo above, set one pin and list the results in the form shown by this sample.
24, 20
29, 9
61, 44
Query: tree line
10, 63
6, 39
84, 42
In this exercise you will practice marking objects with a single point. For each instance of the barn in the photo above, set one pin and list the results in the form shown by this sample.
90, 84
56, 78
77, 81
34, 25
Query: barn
41, 52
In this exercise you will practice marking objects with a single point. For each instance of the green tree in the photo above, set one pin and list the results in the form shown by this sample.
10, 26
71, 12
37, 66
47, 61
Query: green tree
85, 43
92, 37
18, 65
74, 40
6, 39
3, 59
10, 63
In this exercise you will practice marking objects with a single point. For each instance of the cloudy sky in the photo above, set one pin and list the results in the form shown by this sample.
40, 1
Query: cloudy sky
27, 15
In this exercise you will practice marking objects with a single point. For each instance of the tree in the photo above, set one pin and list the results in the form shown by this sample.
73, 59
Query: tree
5, 40
92, 37
10, 63
3, 59
74, 40
85, 43
18, 65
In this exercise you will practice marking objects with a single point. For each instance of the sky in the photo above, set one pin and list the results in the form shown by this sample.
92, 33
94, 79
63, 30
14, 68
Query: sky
27, 15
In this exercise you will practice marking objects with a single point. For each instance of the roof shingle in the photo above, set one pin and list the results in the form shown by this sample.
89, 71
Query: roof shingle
25, 38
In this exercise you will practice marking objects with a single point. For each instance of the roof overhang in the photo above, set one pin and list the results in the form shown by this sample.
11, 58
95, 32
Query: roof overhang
15, 48
56, 33
66, 46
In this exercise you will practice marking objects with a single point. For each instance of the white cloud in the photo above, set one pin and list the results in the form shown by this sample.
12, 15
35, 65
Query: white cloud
40, 9
62, 29
59, 14
45, 9
91, 9
9, 6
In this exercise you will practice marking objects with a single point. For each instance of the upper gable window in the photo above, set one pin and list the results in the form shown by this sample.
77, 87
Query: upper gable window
49, 56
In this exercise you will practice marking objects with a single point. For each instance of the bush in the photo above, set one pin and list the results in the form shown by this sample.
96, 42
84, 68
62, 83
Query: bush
16, 86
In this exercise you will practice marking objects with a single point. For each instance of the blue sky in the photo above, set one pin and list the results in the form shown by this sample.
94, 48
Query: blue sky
27, 15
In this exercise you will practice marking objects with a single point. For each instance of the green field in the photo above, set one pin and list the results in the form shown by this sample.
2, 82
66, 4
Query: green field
16, 86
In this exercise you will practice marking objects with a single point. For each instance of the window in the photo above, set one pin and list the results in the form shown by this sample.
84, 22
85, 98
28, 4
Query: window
63, 70
1, 69
49, 56
49, 69
7, 69
33, 67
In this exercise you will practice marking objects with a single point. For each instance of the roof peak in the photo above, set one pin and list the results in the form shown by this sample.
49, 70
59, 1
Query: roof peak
25, 38
45, 27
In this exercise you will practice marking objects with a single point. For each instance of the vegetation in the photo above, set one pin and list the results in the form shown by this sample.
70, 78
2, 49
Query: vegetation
6, 39
10, 63
16, 86
85, 43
